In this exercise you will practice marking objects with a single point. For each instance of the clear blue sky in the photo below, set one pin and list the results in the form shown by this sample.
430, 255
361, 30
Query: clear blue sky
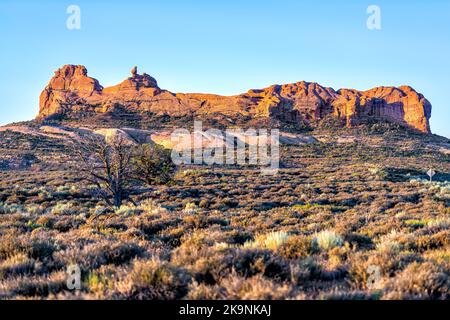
227, 47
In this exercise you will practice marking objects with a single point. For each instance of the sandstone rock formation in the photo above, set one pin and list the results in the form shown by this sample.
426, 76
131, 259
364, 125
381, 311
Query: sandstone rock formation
69, 86
400, 105
71, 90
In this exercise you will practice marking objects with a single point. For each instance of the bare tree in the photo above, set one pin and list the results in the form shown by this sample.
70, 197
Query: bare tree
107, 165
117, 168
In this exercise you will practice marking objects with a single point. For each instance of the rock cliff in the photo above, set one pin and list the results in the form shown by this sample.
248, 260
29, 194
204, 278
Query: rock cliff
72, 90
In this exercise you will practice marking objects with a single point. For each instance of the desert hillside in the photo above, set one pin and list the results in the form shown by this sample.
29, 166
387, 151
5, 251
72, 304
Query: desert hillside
345, 201
350, 214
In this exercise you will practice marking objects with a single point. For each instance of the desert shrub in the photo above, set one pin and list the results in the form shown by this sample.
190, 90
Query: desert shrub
271, 241
359, 240
339, 255
326, 240
62, 188
433, 241
388, 262
172, 236
127, 210
240, 237
17, 198
254, 288
416, 224
190, 208
99, 210
66, 224
41, 249
131, 234
46, 221
198, 221
101, 282
202, 291
9, 247
394, 241
203, 220
63, 209
34, 248
192, 173
235, 287
250, 262
14, 265
3, 208
440, 256
152, 227
359, 271
154, 279
227, 203
35, 209
32, 225
94, 255
6, 208
123, 252
204, 203
149, 206
153, 165
33, 286
419, 281
439, 223
304, 270
389, 246
379, 171
198, 254
296, 247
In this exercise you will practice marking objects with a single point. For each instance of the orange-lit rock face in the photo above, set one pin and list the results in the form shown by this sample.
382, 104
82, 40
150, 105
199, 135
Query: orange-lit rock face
69, 85
72, 90
400, 105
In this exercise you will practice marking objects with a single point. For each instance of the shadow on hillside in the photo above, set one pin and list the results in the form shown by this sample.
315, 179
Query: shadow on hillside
404, 175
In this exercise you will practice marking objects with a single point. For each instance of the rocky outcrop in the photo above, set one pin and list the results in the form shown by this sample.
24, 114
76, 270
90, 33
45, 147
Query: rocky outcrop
71, 90
68, 87
400, 105
129, 135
